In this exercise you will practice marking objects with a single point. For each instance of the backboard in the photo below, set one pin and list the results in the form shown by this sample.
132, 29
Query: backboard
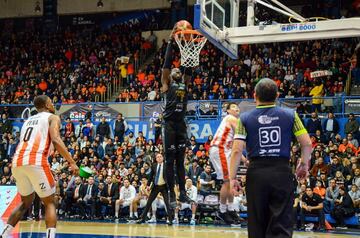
213, 17
218, 21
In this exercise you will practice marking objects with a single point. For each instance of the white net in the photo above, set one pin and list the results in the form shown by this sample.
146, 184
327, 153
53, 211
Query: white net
190, 44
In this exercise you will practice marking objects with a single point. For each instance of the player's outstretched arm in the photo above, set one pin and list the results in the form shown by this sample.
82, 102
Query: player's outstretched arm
54, 130
165, 76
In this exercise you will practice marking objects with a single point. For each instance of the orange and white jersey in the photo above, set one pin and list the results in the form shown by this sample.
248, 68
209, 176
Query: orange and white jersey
34, 146
224, 134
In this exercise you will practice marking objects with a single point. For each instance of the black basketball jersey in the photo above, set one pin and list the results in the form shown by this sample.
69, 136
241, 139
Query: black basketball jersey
175, 102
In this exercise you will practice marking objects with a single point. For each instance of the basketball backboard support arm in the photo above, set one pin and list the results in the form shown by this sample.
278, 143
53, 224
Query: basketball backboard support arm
228, 38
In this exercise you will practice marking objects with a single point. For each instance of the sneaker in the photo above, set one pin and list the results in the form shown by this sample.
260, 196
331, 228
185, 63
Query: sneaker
152, 220
116, 219
176, 221
235, 216
309, 227
140, 221
192, 222
183, 198
341, 227
225, 217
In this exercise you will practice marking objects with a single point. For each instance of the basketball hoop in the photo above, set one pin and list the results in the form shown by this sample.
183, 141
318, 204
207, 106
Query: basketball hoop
190, 43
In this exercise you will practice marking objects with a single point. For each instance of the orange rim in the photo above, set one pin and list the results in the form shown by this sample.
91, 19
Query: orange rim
181, 35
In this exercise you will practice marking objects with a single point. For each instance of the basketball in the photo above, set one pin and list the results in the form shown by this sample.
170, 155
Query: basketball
183, 25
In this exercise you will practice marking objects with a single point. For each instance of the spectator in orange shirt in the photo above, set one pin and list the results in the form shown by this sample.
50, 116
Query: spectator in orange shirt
101, 88
19, 93
141, 76
198, 80
71, 100
134, 95
215, 87
319, 189
151, 77
345, 146
277, 81
43, 85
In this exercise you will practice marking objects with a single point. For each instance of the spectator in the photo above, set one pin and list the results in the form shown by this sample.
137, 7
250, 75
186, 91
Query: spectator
331, 126
91, 196
320, 189
332, 192
191, 192
317, 92
356, 178
194, 172
103, 129
109, 195
346, 147
127, 195
207, 181
79, 128
312, 204
352, 126
88, 129
352, 141
319, 168
335, 166
314, 124
6, 124
74, 197
344, 207
69, 128
354, 193
120, 127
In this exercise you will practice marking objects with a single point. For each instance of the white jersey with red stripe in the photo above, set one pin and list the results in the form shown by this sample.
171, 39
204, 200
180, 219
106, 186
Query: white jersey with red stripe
34, 146
224, 134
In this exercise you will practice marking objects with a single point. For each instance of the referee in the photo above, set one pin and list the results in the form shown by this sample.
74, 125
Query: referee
267, 133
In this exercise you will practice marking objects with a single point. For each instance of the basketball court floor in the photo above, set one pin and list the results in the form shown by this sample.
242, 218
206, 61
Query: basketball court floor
69, 229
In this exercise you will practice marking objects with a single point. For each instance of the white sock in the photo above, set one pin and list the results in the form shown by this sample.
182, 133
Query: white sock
193, 216
136, 214
50, 232
7, 231
131, 214
148, 214
223, 208
231, 207
176, 215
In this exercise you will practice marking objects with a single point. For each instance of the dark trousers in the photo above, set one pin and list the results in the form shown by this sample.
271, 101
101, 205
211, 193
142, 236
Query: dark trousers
339, 214
270, 189
174, 137
153, 194
319, 213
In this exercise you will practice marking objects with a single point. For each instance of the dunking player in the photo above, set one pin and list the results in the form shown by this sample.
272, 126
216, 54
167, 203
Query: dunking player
267, 131
30, 164
174, 86
220, 152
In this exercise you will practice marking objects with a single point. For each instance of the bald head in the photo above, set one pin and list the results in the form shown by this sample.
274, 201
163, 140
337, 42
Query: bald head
266, 90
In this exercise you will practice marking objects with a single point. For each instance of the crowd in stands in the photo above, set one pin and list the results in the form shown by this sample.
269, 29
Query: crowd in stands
70, 66
288, 64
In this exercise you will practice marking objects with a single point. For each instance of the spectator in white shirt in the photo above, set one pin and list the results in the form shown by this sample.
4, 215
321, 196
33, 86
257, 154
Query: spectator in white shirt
127, 195
122, 170
191, 192
355, 195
